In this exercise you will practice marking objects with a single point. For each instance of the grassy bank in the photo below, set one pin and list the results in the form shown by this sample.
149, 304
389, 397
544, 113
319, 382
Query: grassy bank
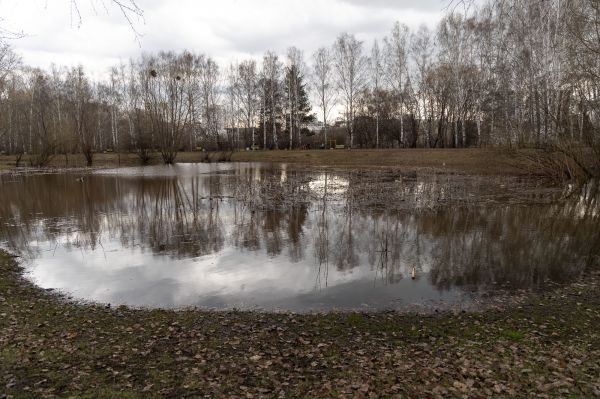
549, 345
469, 161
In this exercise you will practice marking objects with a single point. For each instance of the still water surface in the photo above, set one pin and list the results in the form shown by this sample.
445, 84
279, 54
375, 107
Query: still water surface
258, 236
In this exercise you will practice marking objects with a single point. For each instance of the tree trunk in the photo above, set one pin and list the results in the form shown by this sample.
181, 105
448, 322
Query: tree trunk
377, 130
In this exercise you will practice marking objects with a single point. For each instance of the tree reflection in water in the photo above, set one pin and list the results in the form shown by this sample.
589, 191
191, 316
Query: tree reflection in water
310, 220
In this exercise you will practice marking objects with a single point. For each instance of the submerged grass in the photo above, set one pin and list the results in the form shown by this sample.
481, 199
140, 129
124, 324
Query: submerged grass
485, 161
547, 345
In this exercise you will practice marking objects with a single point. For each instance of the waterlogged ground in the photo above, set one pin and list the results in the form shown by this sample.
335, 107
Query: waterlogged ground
258, 236
465, 235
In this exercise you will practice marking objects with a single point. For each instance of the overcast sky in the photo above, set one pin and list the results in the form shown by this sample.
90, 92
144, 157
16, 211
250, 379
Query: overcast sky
227, 30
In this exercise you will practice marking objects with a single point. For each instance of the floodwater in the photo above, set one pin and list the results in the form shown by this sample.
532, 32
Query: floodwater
277, 237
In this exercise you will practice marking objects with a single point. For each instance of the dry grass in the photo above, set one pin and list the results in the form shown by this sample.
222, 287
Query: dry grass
468, 161
462, 161
100, 160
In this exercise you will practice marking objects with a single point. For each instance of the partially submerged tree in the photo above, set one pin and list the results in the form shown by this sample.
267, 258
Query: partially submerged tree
44, 137
80, 108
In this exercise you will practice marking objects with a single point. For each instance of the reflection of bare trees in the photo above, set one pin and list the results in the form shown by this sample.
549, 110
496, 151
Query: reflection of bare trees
390, 245
519, 246
181, 220
344, 246
166, 215
322, 237
254, 209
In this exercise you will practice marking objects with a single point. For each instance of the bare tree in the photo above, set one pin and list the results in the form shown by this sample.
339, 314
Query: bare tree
421, 50
43, 137
247, 92
293, 87
519, 73
272, 74
396, 67
80, 109
376, 73
232, 107
9, 62
128, 8
350, 66
323, 85
166, 97
210, 91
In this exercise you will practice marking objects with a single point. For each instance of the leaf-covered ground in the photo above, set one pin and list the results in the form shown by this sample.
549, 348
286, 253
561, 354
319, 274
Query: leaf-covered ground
548, 346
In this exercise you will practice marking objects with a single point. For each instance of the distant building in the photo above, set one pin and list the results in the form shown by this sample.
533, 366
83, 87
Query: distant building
314, 127
340, 123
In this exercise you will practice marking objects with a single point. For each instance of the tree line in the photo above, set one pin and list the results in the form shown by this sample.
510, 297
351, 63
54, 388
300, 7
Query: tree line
509, 73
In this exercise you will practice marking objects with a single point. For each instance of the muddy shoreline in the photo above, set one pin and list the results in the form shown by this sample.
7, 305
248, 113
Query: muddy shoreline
546, 345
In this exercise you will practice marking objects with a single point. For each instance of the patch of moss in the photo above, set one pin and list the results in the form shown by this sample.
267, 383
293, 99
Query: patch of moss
513, 335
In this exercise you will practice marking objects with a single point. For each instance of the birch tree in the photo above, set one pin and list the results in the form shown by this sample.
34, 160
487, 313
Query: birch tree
376, 74
396, 61
292, 89
272, 74
421, 51
247, 85
350, 66
210, 91
323, 85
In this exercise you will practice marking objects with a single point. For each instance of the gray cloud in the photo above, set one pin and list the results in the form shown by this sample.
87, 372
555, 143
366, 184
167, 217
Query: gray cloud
427, 5
227, 30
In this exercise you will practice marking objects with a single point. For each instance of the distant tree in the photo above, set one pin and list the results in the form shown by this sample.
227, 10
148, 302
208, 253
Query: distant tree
272, 93
247, 84
514, 73
350, 66
298, 104
376, 69
421, 52
584, 56
165, 82
43, 137
232, 107
323, 84
9, 62
396, 65
80, 106
211, 90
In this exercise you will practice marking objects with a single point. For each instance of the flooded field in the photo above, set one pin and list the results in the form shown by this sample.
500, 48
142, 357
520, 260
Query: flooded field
257, 236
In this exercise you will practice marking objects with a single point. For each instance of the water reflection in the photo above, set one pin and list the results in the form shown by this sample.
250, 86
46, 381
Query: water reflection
249, 235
